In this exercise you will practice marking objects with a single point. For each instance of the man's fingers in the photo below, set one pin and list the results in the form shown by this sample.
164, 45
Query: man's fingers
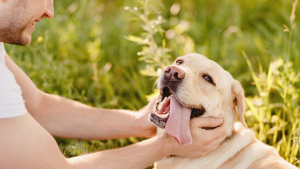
220, 131
151, 103
214, 147
215, 143
217, 135
154, 100
206, 122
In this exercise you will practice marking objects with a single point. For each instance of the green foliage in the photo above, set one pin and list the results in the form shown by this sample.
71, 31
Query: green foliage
83, 53
155, 56
71, 148
273, 112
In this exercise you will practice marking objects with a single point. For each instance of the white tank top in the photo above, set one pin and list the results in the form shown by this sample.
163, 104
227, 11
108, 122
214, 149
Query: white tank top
12, 103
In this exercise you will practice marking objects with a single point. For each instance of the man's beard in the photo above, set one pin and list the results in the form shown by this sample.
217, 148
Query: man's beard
13, 35
12, 30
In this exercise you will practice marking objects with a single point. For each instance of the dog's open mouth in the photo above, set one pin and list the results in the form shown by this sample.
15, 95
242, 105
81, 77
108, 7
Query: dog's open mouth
171, 114
161, 113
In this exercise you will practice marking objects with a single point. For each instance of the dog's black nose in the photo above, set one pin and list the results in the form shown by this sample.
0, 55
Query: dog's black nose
174, 73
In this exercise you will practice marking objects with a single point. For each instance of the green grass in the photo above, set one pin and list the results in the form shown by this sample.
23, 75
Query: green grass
83, 54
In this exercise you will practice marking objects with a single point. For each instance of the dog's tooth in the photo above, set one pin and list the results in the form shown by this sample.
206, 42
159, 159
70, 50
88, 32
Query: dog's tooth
160, 105
165, 115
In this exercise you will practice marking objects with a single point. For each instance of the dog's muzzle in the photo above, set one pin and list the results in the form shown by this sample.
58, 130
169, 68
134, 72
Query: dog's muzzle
170, 80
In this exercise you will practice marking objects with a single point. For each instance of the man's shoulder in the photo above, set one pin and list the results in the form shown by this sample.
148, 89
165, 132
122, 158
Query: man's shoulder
8, 82
11, 100
6, 76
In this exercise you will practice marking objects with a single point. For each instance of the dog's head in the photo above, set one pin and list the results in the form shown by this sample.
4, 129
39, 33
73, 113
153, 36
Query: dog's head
197, 86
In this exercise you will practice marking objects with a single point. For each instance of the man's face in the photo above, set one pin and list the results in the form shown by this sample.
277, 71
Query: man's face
18, 17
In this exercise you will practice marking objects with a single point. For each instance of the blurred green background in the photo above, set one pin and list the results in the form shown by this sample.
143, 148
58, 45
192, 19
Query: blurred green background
83, 54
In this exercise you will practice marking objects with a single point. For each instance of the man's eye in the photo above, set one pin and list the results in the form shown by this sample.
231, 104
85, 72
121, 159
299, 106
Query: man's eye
209, 79
179, 62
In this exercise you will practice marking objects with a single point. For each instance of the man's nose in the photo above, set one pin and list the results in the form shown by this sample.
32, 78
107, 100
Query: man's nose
174, 73
49, 13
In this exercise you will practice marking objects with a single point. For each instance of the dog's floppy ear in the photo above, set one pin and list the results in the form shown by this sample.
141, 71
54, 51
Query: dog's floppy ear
239, 100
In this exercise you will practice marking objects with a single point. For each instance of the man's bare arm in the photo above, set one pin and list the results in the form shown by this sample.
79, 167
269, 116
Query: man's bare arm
70, 119
25, 144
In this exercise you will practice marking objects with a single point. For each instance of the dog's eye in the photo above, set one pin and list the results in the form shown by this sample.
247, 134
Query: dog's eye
209, 79
179, 62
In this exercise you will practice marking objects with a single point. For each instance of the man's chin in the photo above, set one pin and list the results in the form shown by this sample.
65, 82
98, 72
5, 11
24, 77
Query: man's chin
21, 41
22, 37
25, 42
25, 39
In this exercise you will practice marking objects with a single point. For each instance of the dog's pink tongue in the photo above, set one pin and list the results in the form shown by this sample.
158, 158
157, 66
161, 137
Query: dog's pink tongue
178, 124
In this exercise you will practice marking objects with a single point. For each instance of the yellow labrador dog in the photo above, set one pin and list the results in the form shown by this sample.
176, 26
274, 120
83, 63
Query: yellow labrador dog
195, 86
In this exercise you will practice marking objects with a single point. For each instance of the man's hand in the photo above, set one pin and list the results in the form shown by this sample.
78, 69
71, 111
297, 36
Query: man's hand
204, 141
143, 118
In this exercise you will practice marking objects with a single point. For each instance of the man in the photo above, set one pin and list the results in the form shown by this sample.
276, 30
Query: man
28, 116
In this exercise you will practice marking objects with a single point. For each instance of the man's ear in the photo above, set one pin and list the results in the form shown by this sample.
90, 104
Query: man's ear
239, 100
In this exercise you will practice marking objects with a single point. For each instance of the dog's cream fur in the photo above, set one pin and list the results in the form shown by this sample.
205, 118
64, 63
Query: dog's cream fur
241, 149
